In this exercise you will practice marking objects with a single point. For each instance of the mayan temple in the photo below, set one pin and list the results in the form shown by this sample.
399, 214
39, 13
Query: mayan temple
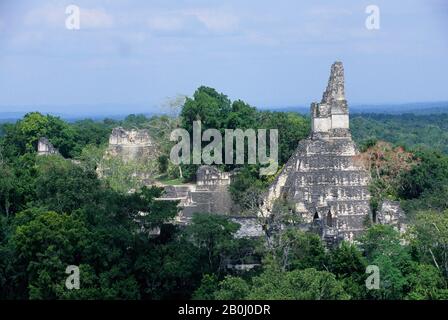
323, 181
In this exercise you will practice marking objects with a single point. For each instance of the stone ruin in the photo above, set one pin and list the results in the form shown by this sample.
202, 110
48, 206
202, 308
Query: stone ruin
210, 194
132, 145
323, 182
390, 213
45, 148
135, 148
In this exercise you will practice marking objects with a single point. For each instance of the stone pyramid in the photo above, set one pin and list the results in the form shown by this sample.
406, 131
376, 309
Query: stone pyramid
323, 181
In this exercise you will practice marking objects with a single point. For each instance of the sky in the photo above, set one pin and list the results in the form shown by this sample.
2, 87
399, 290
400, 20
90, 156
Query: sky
132, 56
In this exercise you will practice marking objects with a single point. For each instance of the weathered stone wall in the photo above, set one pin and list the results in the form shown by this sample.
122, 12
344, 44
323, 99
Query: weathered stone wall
330, 116
390, 213
132, 145
44, 147
209, 195
250, 227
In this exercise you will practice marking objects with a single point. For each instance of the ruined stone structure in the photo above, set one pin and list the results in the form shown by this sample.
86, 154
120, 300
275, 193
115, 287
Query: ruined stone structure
210, 194
131, 145
134, 148
45, 148
390, 213
323, 181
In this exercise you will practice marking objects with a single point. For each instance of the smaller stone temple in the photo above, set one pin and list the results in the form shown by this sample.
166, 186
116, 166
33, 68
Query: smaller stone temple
45, 148
210, 194
390, 213
131, 145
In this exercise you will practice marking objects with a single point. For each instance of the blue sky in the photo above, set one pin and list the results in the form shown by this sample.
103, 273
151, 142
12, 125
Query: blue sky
268, 53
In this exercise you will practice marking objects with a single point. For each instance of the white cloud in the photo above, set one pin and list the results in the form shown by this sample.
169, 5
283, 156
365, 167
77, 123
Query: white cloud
23, 40
166, 22
48, 16
328, 11
194, 20
96, 18
215, 20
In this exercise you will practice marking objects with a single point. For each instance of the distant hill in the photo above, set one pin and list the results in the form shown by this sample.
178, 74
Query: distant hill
420, 108
6, 117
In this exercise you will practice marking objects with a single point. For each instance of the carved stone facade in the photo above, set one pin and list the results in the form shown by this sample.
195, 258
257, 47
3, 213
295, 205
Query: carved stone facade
390, 213
330, 117
45, 148
210, 194
131, 145
322, 180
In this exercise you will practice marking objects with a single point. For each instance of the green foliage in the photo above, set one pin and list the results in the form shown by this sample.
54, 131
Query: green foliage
213, 236
206, 291
426, 283
307, 284
429, 239
299, 250
55, 212
23, 136
208, 106
123, 176
215, 110
8, 187
232, 288
46, 242
246, 188
409, 130
292, 128
163, 162
429, 175
349, 266
383, 247
63, 186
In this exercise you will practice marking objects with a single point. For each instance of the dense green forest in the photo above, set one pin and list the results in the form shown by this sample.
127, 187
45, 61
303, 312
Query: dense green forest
55, 211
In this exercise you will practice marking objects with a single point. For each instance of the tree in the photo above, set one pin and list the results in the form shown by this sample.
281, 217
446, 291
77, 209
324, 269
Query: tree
163, 162
308, 284
386, 165
208, 106
291, 127
429, 239
430, 174
63, 186
206, 291
426, 283
349, 266
296, 249
213, 236
46, 243
383, 247
232, 288
7, 188
246, 189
